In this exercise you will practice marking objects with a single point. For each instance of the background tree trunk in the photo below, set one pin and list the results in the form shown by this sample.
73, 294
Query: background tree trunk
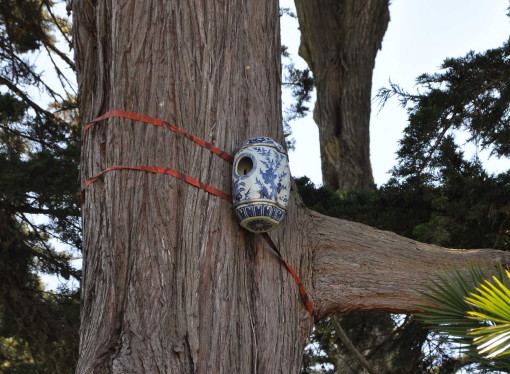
339, 41
171, 283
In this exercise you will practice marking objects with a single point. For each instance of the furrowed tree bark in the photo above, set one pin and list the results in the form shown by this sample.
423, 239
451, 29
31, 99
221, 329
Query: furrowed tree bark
360, 268
339, 41
171, 283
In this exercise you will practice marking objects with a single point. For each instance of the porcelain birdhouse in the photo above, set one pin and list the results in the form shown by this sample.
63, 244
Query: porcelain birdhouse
260, 184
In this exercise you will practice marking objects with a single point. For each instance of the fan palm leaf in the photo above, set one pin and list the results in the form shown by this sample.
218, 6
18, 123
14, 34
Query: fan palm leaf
474, 312
492, 338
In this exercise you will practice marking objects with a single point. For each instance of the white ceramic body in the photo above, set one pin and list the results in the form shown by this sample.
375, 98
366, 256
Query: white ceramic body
260, 184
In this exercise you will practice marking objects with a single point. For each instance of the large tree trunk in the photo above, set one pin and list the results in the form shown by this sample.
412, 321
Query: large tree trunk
339, 41
171, 283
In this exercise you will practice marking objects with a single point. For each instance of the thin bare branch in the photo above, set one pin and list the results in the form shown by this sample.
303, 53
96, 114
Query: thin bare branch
60, 54
56, 21
351, 347
61, 76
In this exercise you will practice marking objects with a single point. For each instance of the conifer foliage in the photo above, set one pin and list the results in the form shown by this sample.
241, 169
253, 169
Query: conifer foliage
39, 154
471, 94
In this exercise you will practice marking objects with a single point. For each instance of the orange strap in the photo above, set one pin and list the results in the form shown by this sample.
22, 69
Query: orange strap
161, 170
302, 291
189, 180
159, 122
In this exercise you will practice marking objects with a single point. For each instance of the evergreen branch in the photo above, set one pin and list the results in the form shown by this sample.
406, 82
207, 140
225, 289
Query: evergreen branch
25, 69
46, 40
25, 97
288, 12
63, 267
37, 231
49, 45
384, 94
460, 113
33, 210
28, 137
446, 125
56, 22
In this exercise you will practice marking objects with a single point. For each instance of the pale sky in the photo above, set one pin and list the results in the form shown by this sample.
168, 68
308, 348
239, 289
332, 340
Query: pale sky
420, 35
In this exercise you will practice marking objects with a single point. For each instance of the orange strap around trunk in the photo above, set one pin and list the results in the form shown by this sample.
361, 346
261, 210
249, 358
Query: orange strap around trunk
159, 122
302, 291
189, 180
161, 170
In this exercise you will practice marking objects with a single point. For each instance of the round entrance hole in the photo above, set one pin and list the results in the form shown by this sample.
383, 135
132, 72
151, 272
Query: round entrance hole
244, 165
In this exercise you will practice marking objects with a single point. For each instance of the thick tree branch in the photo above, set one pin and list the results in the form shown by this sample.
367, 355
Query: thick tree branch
357, 267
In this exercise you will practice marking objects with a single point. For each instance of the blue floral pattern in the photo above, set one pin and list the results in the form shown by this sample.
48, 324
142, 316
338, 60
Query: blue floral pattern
263, 193
262, 140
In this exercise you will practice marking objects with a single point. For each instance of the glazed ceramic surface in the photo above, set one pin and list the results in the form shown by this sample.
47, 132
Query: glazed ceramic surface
261, 184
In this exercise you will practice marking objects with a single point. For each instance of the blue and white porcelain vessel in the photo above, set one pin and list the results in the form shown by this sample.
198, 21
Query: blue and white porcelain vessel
260, 184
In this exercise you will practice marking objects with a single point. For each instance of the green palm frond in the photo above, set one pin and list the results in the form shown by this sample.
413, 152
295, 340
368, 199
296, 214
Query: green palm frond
493, 300
447, 306
474, 312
